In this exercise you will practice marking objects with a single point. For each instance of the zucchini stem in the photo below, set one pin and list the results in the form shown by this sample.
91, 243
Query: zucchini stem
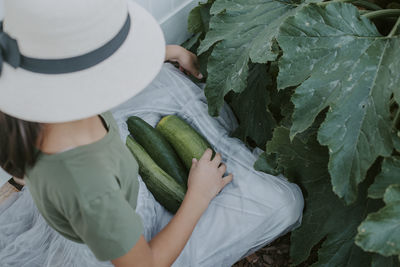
382, 13
394, 29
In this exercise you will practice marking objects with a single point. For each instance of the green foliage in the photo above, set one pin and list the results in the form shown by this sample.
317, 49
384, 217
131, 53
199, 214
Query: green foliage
396, 141
251, 105
267, 163
199, 18
325, 215
390, 175
198, 22
318, 83
380, 261
350, 70
380, 232
243, 30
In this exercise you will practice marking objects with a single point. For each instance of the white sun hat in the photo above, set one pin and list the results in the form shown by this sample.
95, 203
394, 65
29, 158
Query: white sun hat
67, 60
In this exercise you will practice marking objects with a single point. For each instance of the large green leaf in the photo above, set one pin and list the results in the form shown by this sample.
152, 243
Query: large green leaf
397, 96
380, 261
380, 232
198, 24
389, 175
342, 62
242, 30
251, 107
267, 163
192, 42
199, 18
396, 140
325, 215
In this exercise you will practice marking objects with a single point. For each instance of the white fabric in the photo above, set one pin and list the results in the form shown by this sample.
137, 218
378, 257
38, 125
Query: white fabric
66, 97
249, 213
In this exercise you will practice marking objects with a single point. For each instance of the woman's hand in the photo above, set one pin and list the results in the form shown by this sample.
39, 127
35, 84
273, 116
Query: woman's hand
187, 60
206, 177
204, 183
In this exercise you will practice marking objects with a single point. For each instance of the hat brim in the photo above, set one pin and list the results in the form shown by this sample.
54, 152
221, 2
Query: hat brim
52, 98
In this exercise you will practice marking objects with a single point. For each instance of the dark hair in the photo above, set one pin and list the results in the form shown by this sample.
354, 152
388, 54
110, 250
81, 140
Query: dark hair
17, 144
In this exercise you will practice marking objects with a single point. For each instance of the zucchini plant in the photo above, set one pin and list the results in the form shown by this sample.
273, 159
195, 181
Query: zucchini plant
316, 84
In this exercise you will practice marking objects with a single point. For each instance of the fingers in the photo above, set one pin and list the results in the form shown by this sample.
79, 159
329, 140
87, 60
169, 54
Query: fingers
187, 61
217, 159
198, 75
192, 69
207, 155
194, 164
191, 65
195, 70
227, 179
222, 168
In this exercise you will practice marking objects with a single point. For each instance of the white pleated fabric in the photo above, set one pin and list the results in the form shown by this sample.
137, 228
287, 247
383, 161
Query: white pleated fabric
249, 213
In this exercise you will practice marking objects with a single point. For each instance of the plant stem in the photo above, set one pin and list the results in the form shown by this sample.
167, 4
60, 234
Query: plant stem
363, 12
382, 13
334, 1
362, 3
366, 4
394, 29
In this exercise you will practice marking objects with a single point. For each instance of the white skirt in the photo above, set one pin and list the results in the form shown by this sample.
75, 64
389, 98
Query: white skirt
249, 213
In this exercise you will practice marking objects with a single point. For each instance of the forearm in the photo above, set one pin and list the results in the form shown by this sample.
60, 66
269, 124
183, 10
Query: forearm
205, 181
169, 243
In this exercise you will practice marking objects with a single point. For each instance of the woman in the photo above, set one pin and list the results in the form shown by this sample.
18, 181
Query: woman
81, 176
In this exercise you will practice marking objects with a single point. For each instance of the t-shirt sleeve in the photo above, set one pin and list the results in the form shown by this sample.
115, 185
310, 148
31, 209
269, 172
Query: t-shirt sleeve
108, 225
108, 116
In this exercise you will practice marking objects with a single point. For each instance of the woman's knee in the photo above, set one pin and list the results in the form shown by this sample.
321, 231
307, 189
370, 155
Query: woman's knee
292, 204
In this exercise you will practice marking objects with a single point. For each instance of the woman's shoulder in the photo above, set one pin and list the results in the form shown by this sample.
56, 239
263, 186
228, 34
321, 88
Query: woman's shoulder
109, 119
78, 178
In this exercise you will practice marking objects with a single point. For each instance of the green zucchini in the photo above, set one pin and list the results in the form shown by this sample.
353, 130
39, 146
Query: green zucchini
158, 148
164, 188
186, 141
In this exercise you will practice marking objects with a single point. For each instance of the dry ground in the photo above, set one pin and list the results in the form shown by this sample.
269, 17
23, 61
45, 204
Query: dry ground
274, 255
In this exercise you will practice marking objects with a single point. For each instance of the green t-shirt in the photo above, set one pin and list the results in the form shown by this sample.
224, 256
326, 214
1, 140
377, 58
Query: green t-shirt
88, 194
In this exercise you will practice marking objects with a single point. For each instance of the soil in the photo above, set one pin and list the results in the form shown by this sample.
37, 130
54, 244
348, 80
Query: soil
276, 254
